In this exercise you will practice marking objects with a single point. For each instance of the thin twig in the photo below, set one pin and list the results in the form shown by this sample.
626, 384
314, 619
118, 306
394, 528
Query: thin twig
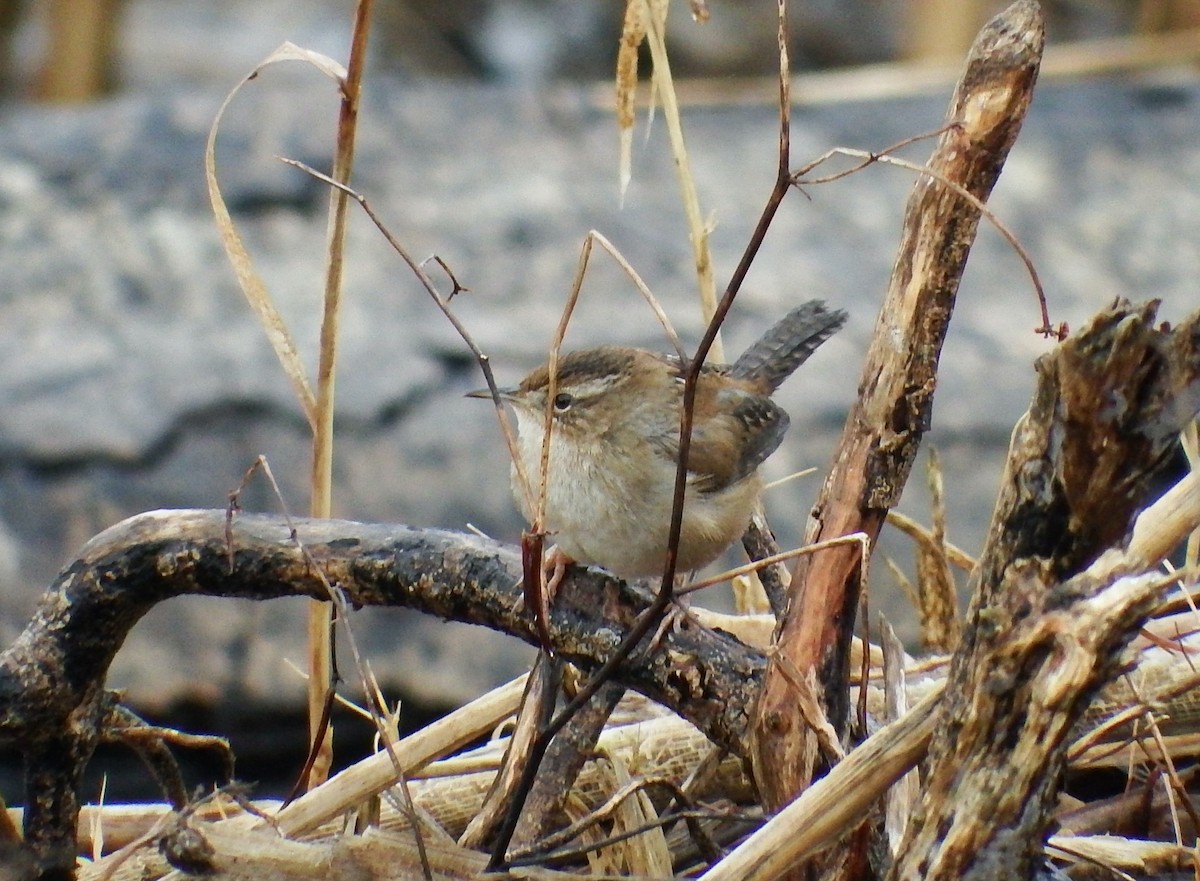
653, 614
782, 557
884, 157
441, 302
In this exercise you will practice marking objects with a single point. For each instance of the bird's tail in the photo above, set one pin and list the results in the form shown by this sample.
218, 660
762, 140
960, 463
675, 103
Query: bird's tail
788, 344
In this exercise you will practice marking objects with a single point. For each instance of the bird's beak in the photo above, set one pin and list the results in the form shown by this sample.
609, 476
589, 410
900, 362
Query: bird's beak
506, 393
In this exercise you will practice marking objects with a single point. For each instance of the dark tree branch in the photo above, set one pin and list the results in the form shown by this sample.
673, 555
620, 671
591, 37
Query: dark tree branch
52, 699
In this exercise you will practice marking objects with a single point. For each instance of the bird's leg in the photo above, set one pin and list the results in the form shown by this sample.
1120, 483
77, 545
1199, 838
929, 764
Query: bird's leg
677, 616
554, 569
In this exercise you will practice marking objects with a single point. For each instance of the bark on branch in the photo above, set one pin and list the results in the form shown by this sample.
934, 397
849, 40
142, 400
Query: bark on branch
1049, 614
52, 699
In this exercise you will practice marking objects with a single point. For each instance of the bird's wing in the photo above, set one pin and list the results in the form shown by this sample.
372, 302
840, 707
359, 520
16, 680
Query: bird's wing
734, 429
729, 445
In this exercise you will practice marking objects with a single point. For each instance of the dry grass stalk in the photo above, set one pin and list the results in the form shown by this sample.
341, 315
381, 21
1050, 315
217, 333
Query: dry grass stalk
318, 407
878, 82
645, 21
320, 615
955, 555
941, 625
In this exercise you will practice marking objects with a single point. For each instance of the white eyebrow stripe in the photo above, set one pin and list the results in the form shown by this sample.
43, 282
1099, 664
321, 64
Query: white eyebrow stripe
591, 387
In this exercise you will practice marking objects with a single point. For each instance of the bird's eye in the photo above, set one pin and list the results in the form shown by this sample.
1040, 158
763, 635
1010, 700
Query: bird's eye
563, 401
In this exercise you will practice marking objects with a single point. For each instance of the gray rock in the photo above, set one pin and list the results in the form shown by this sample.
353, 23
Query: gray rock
134, 376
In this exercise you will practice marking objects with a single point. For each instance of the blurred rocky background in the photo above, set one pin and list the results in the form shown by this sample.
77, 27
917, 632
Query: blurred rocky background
133, 375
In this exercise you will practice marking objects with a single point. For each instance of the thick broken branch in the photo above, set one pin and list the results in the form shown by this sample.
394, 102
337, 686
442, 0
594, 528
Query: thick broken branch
894, 410
1000, 741
1050, 615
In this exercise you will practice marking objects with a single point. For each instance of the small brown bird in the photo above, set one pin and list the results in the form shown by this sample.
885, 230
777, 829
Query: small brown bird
615, 445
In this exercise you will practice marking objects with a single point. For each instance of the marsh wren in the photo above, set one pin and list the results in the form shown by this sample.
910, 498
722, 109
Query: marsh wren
614, 445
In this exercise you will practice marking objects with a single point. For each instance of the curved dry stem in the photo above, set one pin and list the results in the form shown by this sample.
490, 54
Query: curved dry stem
441, 302
644, 290
860, 538
248, 278
884, 157
698, 231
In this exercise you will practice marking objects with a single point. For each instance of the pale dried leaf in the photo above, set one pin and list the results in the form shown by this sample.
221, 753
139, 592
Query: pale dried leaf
902, 797
633, 32
251, 283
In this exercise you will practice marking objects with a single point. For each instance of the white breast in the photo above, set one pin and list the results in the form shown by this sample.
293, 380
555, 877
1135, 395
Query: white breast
614, 510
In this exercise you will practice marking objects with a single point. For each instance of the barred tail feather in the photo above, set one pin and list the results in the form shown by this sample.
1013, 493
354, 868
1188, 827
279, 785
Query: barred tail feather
788, 344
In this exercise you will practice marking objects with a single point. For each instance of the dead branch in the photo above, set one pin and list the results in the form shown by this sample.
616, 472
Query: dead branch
1052, 606
1033, 656
52, 697
886, 425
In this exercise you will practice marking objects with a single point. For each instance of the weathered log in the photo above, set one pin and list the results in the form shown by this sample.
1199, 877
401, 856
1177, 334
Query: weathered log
52, 697
1049, 614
